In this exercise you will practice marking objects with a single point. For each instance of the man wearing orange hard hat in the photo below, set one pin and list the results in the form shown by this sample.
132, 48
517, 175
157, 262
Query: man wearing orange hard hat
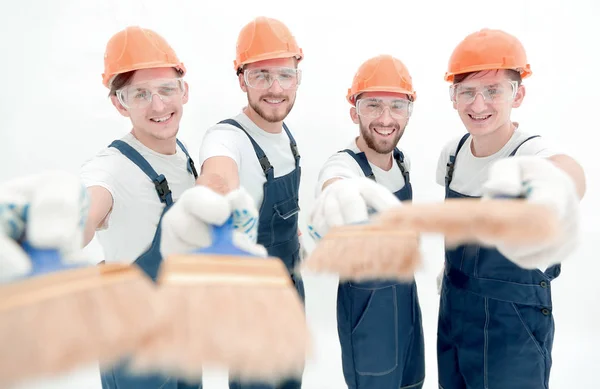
142, 187
495, 326
386, 348
255, 149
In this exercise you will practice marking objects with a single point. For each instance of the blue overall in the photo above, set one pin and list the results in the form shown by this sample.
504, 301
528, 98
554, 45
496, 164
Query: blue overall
278, 227
495, 324
379, 322
118, 377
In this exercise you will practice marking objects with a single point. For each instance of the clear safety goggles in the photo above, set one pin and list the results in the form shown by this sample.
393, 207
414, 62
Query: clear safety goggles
140, 95
263, 78
495, 93
374, 107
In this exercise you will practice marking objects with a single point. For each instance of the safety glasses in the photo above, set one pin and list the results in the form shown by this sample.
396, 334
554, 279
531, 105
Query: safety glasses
464, 94
263, 78
140, 95
374, 107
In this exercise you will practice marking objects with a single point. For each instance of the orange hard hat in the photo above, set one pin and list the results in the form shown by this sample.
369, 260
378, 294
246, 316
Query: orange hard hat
488, 50
383, 73
265, 38
137, 48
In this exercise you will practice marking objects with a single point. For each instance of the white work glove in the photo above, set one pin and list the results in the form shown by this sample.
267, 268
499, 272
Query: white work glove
186, 226
543, 183
347, 201
48, 210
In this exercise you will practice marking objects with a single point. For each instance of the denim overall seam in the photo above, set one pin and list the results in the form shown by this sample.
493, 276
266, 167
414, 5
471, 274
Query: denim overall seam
476, 264
533, 339
486, 343
364, 313
414, 385
164, 383
546, 276
395, 302
395, 299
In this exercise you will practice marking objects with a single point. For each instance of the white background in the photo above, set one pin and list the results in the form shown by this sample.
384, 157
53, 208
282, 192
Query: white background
56, 114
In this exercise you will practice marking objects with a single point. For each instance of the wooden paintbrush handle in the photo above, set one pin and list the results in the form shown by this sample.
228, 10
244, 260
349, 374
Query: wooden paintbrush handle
512, 219
54, 285
370, 229
224, 270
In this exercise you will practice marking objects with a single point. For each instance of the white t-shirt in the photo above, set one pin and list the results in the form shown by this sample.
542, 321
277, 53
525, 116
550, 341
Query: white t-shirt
342, 165
225, 140
130, 226
470, 172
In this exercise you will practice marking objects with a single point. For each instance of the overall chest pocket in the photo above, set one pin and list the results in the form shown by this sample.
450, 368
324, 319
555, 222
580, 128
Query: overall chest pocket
287, 208
284, 222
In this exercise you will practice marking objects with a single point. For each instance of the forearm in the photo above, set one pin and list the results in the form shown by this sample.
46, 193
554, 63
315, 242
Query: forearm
101, 203
224, 167
330, 181
573, 169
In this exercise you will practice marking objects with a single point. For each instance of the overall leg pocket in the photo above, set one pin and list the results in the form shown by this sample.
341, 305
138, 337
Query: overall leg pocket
516, 342
374, 318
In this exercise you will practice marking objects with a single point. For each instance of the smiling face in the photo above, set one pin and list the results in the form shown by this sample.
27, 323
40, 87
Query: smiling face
382, 118
153, 100
484, 100
271, 102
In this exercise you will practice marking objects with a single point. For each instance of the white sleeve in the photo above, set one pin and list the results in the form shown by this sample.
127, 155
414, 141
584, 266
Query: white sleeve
339, 165
540, 147
222, 140
97, 172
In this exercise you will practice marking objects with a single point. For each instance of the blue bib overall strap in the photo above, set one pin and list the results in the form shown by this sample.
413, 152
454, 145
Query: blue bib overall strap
452, 160
278, 214
404, 194
495, 324
190, 162
118, 377
150, 260
260, 154
278, 226
379, 322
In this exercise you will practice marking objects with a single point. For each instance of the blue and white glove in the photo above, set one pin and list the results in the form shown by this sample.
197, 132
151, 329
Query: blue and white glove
542, 182
48, 210
186, 225
245, 214
346, 201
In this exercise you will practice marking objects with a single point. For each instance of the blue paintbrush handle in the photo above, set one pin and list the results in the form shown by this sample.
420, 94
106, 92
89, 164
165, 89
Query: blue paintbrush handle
44, 261
222, 241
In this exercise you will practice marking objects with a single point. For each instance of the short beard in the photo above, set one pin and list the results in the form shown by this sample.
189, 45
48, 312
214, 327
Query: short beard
370, 139
270, 118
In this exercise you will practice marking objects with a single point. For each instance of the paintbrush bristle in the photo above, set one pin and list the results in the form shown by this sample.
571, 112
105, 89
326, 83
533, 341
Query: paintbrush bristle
52, 324
363, 252
242, 314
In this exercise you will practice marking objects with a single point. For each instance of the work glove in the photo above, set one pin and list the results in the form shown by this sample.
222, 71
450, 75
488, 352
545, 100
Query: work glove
541, 182
186, 226
346, 201
48, 210
245, 214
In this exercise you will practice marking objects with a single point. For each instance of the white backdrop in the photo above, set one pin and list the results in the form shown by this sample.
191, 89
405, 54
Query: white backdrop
56, 115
